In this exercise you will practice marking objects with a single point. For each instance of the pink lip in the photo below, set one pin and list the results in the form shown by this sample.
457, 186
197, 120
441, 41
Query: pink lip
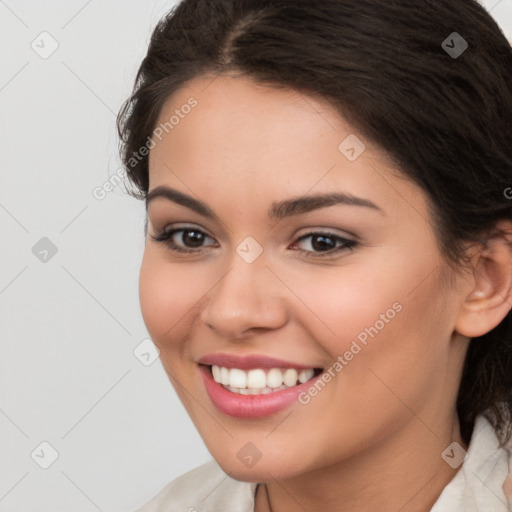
251, 406
248, 362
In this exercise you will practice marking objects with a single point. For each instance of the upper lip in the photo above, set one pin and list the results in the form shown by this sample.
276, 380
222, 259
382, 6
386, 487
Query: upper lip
249, 361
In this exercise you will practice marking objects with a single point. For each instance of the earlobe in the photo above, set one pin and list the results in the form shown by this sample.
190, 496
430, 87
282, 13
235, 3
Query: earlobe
490, 298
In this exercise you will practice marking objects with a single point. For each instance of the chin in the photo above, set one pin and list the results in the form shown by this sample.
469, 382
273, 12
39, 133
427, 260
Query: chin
263, 471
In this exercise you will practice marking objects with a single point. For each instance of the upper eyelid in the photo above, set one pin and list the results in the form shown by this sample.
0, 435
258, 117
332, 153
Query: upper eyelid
189, 227
298, 216
310, 230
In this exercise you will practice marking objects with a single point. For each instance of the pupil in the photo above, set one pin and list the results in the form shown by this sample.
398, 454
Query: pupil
322, 242
195, 240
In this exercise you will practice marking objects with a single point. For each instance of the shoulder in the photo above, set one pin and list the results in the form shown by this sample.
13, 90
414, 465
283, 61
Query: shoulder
205, 488
484, 481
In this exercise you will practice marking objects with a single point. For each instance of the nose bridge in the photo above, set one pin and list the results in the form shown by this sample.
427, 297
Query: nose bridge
245, 297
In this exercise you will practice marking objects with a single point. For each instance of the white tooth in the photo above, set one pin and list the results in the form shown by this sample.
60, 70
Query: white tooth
256, 379
266, 390
290, 377
237, 378
274, 378
305, 375
224, 376
216, 373
243, 391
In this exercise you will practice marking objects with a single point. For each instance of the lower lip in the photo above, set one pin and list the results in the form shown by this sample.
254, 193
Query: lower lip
251, 406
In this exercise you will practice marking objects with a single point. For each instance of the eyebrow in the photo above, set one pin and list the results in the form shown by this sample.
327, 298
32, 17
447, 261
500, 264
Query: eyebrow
278, 210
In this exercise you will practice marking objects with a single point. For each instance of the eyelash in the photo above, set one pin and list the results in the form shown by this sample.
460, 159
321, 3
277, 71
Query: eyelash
165, 237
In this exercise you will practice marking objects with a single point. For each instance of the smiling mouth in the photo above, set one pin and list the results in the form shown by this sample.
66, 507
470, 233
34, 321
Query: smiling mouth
259, 381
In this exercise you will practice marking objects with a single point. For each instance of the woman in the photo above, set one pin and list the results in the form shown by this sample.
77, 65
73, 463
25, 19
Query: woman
328, 263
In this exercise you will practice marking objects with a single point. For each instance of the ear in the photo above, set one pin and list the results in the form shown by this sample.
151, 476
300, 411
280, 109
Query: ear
490, 298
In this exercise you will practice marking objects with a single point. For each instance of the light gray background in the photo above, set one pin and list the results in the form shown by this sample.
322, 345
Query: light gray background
69, 325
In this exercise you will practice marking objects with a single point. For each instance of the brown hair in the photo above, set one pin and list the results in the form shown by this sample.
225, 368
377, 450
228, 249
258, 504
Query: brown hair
399, 74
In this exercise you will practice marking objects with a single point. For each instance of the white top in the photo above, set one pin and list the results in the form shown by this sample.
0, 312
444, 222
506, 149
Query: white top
482, 484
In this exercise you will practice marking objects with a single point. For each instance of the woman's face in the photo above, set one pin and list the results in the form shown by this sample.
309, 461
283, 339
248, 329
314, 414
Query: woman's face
364, 290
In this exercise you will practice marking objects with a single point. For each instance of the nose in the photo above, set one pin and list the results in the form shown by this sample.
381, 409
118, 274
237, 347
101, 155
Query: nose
247, 298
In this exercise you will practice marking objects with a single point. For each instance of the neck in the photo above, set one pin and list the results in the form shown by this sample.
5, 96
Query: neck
405, 472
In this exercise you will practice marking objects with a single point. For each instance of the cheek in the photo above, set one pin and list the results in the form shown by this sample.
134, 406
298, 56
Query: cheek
372, 318
166, 299
338, 304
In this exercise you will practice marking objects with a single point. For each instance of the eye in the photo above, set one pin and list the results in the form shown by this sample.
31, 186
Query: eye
192, 239
327, 243
322, 244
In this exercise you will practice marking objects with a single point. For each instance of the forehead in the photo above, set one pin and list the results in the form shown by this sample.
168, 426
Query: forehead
245, 140
238, 116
